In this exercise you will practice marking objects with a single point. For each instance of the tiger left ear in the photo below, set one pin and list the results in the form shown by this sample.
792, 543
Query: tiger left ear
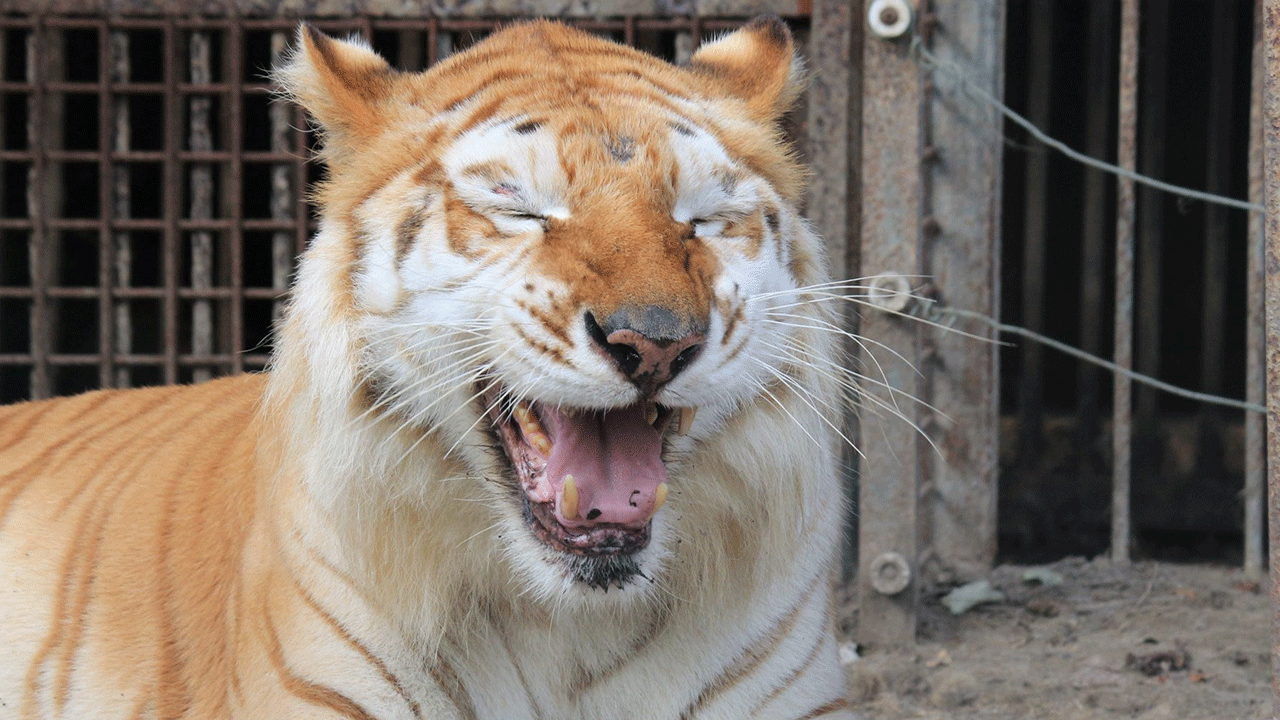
756, 64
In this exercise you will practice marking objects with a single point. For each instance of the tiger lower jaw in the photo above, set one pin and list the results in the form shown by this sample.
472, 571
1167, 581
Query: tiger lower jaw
590, 481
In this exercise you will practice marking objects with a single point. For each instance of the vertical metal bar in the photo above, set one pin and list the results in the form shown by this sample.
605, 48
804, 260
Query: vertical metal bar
38, 200
172, 193
1126, 157
835, 97
433, 40
201, 178
962, 255
1151, 202
1093, 223
891, 201
1218, 181
1271, 197
122, 254
235, 143
282, 190
6, 36
1255, 463
106, 358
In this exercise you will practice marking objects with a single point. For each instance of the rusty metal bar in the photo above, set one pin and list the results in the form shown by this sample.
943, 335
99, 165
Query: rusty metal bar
1100, 70
106, 368
1126, 157
1271, 198
282, 190
122, 254
234, 46
201, 179
888, 542
172, 203
6, 36
1255, 462
37, 209
833, 144
962, 186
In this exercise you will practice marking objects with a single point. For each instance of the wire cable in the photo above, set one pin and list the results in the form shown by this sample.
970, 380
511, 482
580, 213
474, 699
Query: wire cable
929, 310
929, 61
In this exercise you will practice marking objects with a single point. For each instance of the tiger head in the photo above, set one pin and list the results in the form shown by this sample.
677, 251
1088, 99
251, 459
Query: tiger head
549, 280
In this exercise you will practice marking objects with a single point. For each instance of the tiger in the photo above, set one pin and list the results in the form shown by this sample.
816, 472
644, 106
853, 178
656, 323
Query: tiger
550, 429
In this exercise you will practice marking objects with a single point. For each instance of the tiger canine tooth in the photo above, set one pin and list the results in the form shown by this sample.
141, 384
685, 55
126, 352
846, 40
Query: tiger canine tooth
650, 413
539, 441
569, 499
659, 497
686, 420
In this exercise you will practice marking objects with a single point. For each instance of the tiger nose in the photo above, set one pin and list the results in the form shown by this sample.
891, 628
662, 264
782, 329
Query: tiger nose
649, 345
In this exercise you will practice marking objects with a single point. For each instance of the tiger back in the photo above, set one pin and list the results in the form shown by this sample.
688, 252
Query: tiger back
550, 428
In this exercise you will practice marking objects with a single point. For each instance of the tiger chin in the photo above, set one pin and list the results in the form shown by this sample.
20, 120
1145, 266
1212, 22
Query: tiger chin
549, 431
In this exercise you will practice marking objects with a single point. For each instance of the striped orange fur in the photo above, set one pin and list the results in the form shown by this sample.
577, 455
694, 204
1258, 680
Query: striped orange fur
549, 432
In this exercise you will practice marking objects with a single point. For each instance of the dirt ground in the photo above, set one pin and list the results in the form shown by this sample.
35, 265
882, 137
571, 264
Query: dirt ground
1154, 641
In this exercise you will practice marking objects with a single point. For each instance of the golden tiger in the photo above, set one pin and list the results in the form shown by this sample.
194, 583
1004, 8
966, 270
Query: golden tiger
473, 484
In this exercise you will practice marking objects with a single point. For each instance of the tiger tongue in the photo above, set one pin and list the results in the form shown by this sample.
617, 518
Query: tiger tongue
615, 460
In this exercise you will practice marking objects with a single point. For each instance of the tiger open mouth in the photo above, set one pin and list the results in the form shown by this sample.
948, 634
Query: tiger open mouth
590, 480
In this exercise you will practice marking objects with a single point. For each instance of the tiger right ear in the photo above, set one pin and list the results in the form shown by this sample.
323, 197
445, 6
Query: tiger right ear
756, 64
341, 83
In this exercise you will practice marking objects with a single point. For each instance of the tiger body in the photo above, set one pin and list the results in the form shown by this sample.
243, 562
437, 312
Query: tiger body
534, 262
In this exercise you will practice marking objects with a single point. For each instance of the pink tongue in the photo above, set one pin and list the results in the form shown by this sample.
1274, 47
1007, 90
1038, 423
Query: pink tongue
615, 458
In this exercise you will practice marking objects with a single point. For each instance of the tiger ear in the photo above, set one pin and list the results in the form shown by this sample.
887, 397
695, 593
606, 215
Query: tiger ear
756, 64
341, 83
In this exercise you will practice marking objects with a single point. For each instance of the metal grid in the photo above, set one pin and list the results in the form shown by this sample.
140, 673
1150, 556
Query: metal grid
150, 203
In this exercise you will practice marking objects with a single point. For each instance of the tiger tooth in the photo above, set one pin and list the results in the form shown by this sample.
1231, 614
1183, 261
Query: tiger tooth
686, 420
523, 414
650, 414
659, 497
539, 441
569, 499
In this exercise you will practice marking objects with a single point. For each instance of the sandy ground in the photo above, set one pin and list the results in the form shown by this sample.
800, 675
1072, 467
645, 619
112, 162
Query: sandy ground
1154, 641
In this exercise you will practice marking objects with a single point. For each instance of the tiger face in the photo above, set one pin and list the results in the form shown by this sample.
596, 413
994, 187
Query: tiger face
567, 273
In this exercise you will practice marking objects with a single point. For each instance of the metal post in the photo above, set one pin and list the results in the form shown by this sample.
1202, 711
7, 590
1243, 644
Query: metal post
1255, 462
891, 201
122, 254
1126, 157
962, 169
201, 179
1271, 197
835, 44
282, 191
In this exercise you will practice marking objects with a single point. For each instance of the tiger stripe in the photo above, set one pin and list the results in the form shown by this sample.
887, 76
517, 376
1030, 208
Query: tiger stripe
355, 644
750, 659
310, 692
446, 678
